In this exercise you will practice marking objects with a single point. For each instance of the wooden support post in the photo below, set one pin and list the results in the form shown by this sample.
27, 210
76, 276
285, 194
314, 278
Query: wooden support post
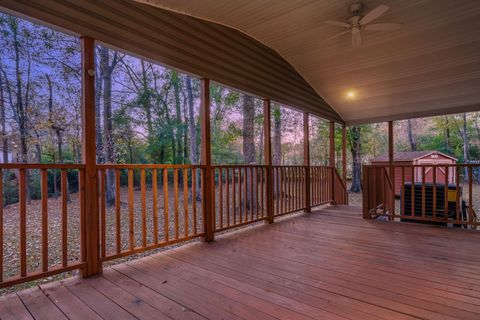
332, 160
390, 148
306, 160
344, 154
267, 145
208, 185
91, 230
391, 168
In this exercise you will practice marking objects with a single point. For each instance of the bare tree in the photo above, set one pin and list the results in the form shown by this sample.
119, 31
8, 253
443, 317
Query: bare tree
277, 136
193, 133
3, 127
106, 70
356, 148
411, 136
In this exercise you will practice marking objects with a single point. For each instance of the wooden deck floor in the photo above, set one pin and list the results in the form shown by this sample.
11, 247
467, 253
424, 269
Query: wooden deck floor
327, 265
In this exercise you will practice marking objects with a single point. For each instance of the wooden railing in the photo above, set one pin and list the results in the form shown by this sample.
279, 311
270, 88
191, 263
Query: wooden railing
239, 195
340, 194
160, 205
36, 256
288, 189
431, 193
140, 207
321, 186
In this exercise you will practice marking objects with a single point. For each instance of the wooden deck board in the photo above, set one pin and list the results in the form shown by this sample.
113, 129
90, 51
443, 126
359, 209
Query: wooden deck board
330, 264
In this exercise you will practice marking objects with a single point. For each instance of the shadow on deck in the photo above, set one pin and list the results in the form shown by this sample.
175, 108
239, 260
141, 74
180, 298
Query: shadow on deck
330, 264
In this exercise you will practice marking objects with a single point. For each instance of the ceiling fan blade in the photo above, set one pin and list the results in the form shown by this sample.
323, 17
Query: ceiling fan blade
338, 23
356, 39
338, 35
374, 14
383, 27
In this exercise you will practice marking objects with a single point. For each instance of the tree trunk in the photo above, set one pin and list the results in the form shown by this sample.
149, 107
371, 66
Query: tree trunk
448, 143
411, 136
248, 141
277, 136
178, 113
355, 149
145, 93
98, 113
106, 71
277, 146
3, 128
193, 134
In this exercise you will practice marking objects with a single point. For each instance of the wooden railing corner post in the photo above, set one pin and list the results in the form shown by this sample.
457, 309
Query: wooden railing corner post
92, 227
208, 184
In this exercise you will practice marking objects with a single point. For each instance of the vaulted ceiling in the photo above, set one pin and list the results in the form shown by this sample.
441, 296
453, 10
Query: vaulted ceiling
430, 66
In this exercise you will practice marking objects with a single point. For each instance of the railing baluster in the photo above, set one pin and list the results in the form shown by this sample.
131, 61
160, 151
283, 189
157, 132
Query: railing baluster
81, 197
64, 218
413, 191
194, 199
23, 222
103, 201
155, 204
423, 191
213, 192
118, 208
263, 191
403, 192
227, 195
175, 200
384, 188
445, 200
434, 187
202, 199
220, 185
245, 194
234, 195
166, 228
470, 200
251, 193
185, 201
44, 188
240, 209
457, 194
143, 191
131, 210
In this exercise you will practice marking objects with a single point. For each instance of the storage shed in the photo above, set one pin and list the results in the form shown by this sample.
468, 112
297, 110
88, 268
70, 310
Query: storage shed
416, 158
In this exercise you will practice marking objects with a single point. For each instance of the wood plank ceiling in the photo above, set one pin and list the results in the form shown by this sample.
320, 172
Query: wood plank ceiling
193, 45
429, 67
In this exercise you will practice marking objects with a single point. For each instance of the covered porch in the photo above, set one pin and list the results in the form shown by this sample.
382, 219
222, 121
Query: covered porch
254, 240
329, 264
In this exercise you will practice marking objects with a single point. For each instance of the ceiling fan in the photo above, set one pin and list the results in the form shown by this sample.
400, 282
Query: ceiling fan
358, 23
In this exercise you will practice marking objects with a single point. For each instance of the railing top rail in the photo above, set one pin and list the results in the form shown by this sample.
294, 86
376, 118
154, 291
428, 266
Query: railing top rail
41, 166
239, 166
147, 166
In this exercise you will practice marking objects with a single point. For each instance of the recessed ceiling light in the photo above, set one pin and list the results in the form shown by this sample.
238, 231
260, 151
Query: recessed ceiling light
351, 94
